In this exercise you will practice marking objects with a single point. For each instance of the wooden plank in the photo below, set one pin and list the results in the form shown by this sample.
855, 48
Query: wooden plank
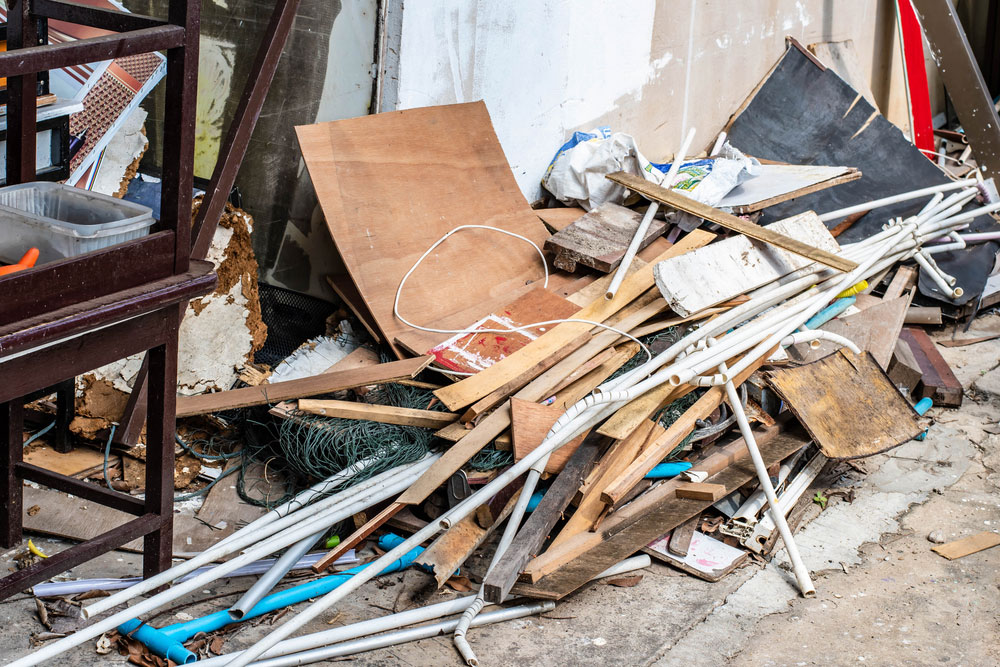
69, 464
557, 219
454, 432
536, 528
357, 536
591, 508
387, 197
384, 414
323, 383
938, 381
847, 404
680, 539
701, 491
540, 388
345, 288
968, 545
471, 389
530, 423
716, 273
471, 353
904, 371
599, 238
906, 277
664, 196
658, 510
875, 329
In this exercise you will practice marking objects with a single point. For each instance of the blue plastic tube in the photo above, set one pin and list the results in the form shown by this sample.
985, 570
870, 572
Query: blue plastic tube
922, 406
665, 470
836, 308
168, 642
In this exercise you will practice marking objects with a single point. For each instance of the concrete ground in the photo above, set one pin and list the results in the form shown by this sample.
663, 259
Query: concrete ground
883, 597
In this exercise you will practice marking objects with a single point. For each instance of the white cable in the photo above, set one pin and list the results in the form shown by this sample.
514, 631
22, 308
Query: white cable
534, 325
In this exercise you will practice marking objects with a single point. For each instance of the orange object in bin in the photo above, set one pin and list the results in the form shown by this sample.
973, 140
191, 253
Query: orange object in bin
26, 262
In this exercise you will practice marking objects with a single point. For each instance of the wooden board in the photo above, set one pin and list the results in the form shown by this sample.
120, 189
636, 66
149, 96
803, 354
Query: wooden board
776, 183
530, 423
471, 389
600, 238
968, 545
70, 463
559, 218
875, 329
678, 541
701, 491
721, 271
847, 404
682, 203
392, 184
938, 381
323, 383
384, 414
471, 353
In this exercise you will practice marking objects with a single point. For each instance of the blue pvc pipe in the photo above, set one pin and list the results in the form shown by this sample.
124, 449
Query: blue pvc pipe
665, 470
836, 308
536, 498
922, 406
168, 642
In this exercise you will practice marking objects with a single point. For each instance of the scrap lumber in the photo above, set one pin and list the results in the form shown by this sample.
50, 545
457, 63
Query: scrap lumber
701, 491
471, 389
904, 279
382, 219
847, 404
472, 352
732, 267
536, 528
530, 423
323, 383
347, 291
618, 457
938, 382
680, 202
599, 238
385, 414
904, 371
706, 404
679, 540
357, 536
968, 545
647, 517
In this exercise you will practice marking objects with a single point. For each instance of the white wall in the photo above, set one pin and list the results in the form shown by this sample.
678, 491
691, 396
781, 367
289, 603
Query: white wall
651, 68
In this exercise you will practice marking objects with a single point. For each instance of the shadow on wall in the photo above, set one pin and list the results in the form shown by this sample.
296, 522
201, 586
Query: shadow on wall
231, 33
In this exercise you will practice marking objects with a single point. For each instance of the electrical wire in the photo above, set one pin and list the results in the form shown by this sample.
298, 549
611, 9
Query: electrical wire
39, 434
534, 325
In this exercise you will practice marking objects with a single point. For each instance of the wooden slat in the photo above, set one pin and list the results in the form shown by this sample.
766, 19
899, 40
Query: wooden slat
471, 389
385, 414
938, 381
680, 202
968, 545
282, 391
530, 423
701, 491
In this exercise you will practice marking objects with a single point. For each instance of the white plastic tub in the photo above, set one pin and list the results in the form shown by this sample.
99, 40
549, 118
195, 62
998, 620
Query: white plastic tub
63, 221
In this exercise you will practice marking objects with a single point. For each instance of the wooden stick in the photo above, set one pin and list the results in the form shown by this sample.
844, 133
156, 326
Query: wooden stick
384, 414
324, 383
355, 539
660, 194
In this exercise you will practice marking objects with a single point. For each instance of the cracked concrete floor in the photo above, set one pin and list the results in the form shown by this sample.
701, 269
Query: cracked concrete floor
883, 597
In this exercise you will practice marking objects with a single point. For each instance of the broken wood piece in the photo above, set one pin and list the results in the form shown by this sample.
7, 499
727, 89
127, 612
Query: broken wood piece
385, 414
904, 279
732, 267
904, 371
471, 389
599, 238
967, 341
531, 422
357, 536
536, 528
472, 352
701, 491
664, 196
680, 538
968, 545
937, 381
847, 404
323, 383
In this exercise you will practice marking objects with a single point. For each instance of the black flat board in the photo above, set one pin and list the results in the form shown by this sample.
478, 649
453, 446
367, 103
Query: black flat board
803, 114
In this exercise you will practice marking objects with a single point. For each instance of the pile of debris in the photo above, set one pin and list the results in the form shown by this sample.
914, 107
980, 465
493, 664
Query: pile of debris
705, 347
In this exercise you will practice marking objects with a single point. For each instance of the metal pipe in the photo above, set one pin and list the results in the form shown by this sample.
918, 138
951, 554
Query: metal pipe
904, 196
647, 219
270, 579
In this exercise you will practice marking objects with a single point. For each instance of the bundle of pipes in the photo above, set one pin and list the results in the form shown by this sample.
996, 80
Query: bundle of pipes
771, 317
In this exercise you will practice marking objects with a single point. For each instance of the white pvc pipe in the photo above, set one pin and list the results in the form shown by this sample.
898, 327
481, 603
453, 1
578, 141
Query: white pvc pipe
904, 196
402, 636
267, 581
279, 541
647, 219
816, 335
753, 504
251, 535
